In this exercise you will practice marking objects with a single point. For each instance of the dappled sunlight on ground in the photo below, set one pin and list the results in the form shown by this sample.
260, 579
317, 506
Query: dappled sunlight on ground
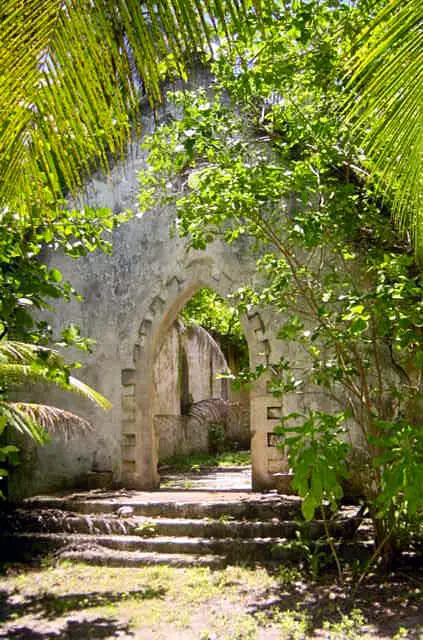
77, 601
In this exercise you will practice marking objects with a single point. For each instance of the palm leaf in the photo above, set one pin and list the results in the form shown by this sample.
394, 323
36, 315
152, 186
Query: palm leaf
39, 421
21, 363
77, 386
13, 351
21, 374
21, 422
386, 108
73, 73
12, 374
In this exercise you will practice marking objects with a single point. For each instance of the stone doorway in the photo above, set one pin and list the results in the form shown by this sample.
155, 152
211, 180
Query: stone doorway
139, 441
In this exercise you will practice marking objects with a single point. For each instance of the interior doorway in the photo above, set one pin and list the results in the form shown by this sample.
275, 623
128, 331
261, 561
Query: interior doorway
201, 419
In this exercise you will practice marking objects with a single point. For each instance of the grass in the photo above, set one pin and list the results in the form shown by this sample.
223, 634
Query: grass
235, 603
196, 461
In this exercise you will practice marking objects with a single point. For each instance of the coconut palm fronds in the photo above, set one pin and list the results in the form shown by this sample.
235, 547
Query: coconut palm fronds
21, 422
83, 389
385, 107
18, 374
73, 75
22, 363
40, 421
13, 351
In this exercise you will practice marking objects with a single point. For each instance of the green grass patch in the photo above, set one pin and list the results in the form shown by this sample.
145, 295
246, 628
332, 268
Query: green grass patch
197, 461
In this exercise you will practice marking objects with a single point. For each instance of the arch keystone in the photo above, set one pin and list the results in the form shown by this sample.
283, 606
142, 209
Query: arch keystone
174, 286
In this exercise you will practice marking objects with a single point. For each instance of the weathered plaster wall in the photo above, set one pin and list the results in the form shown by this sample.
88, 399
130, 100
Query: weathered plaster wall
179, 435
205, 362
238, 425
130, 298
167, 389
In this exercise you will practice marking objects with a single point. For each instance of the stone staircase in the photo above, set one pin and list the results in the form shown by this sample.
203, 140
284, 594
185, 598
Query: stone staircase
179, 528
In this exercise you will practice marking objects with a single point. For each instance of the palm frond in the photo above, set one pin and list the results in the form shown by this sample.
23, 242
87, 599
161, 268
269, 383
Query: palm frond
13, 351
40, 421
20, 374
83, 389
21, 422
21, 363
73, 73
13, 374
386, 108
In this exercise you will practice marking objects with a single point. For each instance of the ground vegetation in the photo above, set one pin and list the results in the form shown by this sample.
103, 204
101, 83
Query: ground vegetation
251, 603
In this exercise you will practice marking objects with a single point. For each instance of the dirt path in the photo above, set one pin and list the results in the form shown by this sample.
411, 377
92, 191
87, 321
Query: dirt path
215, 479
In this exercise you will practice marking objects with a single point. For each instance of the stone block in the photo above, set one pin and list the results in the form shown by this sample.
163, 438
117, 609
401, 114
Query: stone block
128, 405
99, 479
128, 424
274, 412
129, 390
128, 377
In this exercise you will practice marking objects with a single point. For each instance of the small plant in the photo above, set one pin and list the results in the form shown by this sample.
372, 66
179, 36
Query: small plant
288, 575
350, 627
146, 529
313, 552
225, 517
317, 454
293, 625
216, 437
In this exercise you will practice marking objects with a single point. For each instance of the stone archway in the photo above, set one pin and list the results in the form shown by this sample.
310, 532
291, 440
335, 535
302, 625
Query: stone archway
129, 299
139, 446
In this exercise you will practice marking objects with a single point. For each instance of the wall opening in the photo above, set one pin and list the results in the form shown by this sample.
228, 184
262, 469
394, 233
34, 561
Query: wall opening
197, 412
141, 388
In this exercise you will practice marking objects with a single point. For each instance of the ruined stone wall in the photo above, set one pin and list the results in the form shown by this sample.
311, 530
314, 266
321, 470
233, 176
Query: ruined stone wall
179, 435
205, 362
130, 299
167, 379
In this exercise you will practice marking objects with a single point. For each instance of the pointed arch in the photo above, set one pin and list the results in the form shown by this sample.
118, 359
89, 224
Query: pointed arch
139, 445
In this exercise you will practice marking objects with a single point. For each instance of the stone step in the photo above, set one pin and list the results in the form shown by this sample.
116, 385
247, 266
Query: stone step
112, 558
129, 550
56, 521
234, 549
131, 528
261, 508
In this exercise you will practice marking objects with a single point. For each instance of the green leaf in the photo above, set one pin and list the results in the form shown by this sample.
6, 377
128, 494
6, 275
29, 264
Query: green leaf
309, 506
418, 360
55, 275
